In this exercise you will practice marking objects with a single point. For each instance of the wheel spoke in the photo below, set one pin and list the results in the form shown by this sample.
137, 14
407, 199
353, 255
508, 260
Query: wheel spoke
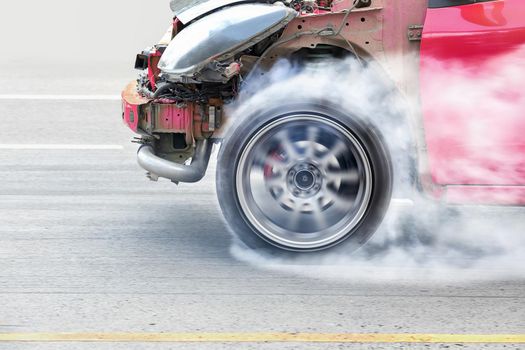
318, 214
312, 137
334, 152
349, 176
294, 220
287, 145
275, 182
341, 203
276, 164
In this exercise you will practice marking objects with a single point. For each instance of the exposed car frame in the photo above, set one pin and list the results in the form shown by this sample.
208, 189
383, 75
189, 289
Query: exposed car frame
180, 111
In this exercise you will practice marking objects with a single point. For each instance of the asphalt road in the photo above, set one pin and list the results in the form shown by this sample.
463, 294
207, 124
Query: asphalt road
88, 244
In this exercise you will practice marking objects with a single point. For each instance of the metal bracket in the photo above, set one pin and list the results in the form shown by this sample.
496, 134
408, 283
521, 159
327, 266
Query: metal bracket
152, 177
141, 140
211, 118
415, 32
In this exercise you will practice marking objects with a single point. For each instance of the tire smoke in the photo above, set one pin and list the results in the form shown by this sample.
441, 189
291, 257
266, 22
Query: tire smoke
426, 240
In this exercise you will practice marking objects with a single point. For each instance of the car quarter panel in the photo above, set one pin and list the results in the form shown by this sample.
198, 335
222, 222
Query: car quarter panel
472, 58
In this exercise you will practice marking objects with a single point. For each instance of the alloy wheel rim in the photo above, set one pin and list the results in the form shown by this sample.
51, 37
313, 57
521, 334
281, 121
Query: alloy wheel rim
304, 182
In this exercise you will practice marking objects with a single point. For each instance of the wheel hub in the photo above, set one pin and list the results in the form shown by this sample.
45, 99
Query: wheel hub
304, 180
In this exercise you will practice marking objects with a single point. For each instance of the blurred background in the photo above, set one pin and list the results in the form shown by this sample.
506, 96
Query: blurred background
72, 46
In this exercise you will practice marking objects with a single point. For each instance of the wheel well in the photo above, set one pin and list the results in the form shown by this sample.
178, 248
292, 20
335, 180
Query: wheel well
321, 52
330, 53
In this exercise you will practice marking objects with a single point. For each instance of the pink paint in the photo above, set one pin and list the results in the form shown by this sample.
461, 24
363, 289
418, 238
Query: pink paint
473, 105
473, 33
153, 70
130, 115
174, 119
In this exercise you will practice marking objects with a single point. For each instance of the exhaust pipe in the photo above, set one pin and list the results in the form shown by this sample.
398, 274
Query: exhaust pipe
160, 167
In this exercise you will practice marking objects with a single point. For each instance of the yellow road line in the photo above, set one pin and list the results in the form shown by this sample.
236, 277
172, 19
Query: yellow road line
262, 337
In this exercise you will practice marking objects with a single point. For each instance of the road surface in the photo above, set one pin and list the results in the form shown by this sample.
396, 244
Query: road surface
89, 246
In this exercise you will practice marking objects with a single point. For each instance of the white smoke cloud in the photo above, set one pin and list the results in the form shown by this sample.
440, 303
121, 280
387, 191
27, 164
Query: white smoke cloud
483, 105
425, 241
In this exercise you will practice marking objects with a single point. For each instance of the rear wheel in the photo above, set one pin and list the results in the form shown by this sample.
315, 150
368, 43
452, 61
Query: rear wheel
303, 178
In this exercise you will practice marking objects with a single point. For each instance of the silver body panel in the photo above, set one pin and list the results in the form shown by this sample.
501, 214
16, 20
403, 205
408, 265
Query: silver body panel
220, 35
189, 10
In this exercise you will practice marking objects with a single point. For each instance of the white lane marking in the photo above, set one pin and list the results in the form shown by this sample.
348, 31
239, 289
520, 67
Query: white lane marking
62, 97
59, 147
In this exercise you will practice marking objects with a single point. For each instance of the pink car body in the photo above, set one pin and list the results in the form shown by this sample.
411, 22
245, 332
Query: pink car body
488, 38
464, 38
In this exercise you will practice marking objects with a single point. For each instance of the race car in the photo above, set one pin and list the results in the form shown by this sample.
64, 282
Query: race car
307, 168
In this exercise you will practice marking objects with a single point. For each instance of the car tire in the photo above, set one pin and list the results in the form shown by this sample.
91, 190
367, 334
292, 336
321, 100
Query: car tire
303, 178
